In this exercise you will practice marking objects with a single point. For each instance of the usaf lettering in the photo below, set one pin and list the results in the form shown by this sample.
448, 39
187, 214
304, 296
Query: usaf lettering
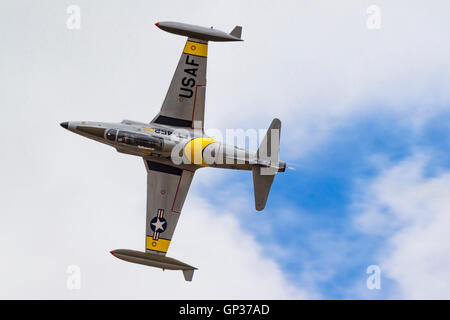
188, 82
245, 309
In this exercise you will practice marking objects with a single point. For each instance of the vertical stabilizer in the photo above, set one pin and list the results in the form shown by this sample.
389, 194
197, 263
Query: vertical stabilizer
188, 274
268, 164
261, 185
236, 32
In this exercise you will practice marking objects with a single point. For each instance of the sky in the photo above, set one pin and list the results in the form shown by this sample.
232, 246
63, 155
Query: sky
365, 129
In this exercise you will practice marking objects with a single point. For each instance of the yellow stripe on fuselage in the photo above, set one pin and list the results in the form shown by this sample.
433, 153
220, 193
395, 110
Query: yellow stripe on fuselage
193, 150
196, 49
161, 245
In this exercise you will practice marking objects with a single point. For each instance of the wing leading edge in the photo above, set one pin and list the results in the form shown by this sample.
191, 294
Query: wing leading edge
167, 188
184, 105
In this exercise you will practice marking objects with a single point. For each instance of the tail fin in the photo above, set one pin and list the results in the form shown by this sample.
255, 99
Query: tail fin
188, 274
236, 32
261, 185
268, 164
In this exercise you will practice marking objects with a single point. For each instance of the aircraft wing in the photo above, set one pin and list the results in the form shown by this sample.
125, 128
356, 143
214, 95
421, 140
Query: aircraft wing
167, 187
184, 105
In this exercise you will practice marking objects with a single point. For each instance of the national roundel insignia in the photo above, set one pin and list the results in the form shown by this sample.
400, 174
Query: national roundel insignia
158, 224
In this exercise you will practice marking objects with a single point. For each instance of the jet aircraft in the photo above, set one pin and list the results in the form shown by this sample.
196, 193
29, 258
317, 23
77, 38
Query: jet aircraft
174, 145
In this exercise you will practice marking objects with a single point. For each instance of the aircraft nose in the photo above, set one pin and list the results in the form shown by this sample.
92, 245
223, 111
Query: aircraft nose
65, 125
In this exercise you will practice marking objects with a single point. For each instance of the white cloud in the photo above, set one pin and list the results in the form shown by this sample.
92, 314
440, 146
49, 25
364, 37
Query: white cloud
315, 65
68, 200
75, 209
412, 211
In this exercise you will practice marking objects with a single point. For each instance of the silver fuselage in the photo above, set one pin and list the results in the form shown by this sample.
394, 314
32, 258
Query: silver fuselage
185, 147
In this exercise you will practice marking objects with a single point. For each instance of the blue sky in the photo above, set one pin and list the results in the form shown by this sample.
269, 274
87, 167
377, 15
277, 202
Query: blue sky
326, 191
311, 209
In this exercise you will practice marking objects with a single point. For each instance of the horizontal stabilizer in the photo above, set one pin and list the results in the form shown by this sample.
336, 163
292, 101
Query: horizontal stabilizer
155, 260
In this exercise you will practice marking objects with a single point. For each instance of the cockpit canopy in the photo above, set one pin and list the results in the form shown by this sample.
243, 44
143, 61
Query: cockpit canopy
135, 139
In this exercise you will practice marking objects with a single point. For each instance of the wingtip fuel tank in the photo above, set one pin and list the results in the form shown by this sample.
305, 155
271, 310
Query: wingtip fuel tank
154, 260
198, 32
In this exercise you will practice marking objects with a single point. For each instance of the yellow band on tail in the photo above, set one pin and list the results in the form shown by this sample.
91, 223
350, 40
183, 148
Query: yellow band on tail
196, 49
161, 245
